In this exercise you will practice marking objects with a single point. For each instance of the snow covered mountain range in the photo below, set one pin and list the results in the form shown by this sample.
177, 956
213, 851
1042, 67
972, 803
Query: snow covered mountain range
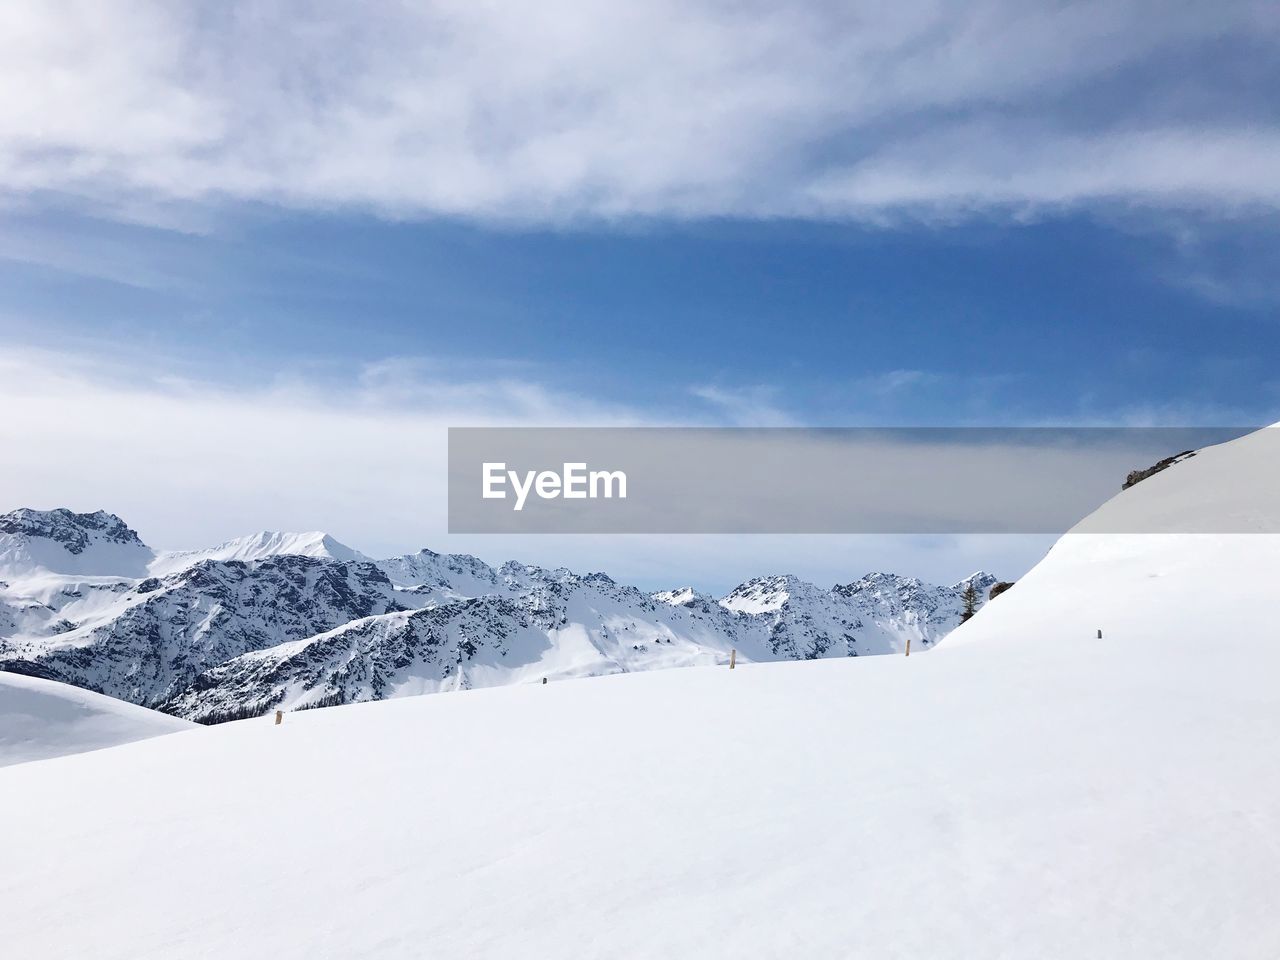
300, 620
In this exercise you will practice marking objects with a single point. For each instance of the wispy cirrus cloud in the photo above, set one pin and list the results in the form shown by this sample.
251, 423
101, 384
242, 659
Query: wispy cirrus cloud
569, 109
753, 406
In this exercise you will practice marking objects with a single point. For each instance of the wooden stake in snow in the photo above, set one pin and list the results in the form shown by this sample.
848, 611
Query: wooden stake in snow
733, 658
279, 717
908, 646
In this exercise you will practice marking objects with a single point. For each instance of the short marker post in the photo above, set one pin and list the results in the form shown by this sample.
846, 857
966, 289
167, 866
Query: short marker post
1099, 633
908, 653
279, 717
733, 658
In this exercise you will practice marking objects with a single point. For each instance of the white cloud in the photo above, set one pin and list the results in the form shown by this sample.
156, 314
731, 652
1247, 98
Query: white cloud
198, 461
568, 108
1025, 166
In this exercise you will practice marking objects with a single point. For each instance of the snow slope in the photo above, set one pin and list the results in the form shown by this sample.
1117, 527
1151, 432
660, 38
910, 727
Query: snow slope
1025, 790
41, 718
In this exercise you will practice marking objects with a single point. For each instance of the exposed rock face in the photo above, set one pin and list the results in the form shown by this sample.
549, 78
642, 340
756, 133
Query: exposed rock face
158, 636
998, 588
62, 542
1137, 476
74, 531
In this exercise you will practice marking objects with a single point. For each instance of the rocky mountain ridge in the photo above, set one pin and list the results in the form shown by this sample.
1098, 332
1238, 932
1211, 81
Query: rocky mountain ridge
300, 620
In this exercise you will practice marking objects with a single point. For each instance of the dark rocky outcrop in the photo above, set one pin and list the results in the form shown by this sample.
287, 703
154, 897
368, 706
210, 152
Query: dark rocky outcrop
1137, 476
73, 530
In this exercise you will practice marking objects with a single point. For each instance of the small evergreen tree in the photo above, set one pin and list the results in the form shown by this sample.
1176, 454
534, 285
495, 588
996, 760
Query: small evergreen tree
970, 600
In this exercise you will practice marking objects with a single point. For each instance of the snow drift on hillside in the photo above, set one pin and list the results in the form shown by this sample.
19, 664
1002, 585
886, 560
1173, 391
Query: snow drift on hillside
41, 718
1146, 584
1029, 790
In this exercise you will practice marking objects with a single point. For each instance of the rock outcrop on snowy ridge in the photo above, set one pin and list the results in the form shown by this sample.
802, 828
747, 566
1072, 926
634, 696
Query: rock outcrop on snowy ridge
300, 620
62, 542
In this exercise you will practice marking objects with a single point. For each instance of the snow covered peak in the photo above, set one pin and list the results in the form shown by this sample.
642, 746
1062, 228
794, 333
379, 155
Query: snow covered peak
515, 570
75, 531
61, 541
450, 575
982, 582
763, 594
879, 582
678, 597
889, 597
259, 546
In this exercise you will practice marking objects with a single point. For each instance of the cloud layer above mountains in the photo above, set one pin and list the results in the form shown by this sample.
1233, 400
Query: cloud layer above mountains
188, 462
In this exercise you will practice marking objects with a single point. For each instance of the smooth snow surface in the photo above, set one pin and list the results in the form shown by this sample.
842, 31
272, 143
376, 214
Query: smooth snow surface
1025, 790
40, 719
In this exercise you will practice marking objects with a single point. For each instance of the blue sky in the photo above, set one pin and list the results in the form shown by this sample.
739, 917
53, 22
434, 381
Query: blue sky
333, 225
1066, 319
